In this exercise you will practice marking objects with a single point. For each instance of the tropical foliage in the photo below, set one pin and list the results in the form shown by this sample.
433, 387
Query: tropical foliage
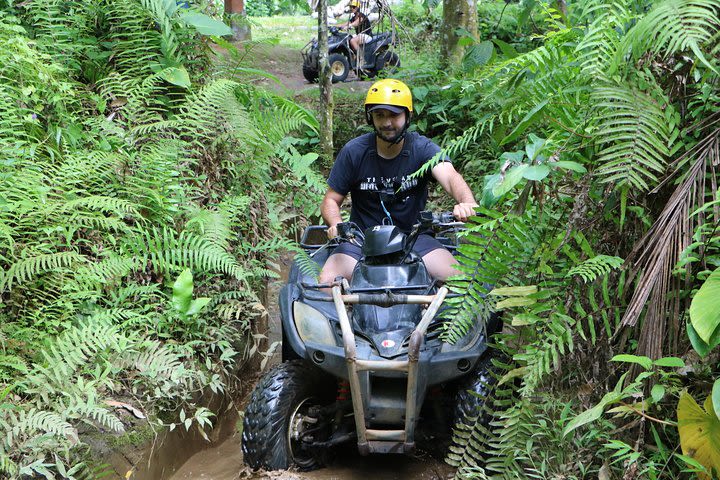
127, 166
595, 157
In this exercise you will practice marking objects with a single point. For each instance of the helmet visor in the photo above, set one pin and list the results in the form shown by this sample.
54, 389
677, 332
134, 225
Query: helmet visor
392, 108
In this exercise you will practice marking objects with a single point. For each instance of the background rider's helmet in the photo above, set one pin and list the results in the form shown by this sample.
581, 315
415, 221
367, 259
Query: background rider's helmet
389, 94
354, 3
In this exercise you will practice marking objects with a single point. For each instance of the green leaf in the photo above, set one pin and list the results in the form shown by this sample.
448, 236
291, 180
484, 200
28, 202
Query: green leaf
536, 172
593, 413
534, 146
182, 292
478, 55
528, 120
197, 305
699, 431
672, 362
491, 181
512, 178
513, 157
514, 302
205, 25
642, 360
705, 307
176, 75
506, 49
568, 165
700, 346
419, 93
716, 397
657, 393
514, 291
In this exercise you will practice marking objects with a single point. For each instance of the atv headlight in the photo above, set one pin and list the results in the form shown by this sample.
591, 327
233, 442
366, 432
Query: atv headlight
312, 325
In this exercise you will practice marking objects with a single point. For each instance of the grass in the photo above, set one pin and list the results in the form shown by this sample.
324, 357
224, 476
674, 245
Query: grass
288, 31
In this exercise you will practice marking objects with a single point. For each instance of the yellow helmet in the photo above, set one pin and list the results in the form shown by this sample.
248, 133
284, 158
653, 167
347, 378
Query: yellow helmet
388, 92
354, 3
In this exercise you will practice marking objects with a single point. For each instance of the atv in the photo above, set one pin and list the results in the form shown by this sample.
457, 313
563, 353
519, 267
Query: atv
342, 58
368, 362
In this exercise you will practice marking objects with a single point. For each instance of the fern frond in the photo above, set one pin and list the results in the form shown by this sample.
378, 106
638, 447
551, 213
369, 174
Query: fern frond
596, 49
34, 420
635, 135
104, 271
673, 26
25, 269
117, 206
307, 265
490, 255
169, 253
214, 226
595, 267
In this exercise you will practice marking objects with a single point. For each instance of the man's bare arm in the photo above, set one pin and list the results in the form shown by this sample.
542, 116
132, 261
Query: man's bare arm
455, 185
330, 211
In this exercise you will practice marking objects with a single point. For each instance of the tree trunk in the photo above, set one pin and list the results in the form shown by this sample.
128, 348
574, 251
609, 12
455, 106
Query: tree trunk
241, 30
326, 93
457, 14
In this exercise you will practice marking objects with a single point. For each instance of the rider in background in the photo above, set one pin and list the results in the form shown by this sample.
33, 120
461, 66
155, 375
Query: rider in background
360, 22
383, 161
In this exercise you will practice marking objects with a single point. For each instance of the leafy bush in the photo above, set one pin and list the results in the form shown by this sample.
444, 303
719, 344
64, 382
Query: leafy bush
125, 163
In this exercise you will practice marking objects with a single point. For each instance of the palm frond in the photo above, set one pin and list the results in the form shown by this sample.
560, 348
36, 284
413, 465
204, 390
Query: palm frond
655, 255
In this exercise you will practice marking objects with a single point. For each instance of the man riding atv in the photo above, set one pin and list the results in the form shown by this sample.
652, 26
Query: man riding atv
360, 22
368, 363
384, 160
364, 52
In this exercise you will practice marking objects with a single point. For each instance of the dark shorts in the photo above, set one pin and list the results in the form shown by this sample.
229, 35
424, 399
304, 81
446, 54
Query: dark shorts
424, 245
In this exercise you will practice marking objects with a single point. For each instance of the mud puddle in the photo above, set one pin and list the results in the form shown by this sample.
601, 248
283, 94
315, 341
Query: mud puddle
225, 463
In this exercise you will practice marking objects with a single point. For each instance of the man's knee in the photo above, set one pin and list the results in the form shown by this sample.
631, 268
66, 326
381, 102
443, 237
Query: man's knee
338, 265
441, 264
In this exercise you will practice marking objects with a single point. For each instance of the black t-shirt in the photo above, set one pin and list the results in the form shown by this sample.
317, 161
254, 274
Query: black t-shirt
361, 172
364, 25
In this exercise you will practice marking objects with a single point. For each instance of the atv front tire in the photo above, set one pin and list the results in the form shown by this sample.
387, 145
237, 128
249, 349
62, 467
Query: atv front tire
473, 392
274, 418
388, 62
339, 67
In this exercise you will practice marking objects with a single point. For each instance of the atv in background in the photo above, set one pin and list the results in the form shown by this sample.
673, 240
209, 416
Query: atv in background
366, 364
377, 55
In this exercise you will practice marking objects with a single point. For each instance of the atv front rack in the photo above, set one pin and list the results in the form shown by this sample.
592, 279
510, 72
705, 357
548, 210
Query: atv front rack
373, 440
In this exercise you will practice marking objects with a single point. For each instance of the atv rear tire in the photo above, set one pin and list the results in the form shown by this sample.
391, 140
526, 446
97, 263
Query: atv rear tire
339, 67
388, 62
274, 416
310, 74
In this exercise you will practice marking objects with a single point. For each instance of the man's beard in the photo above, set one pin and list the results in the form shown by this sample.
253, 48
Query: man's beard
390, 136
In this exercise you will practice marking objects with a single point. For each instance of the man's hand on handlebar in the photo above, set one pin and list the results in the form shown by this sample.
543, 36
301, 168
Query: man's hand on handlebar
463, 211
332, 232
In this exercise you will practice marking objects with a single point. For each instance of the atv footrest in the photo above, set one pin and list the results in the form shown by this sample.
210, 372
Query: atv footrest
375, 440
